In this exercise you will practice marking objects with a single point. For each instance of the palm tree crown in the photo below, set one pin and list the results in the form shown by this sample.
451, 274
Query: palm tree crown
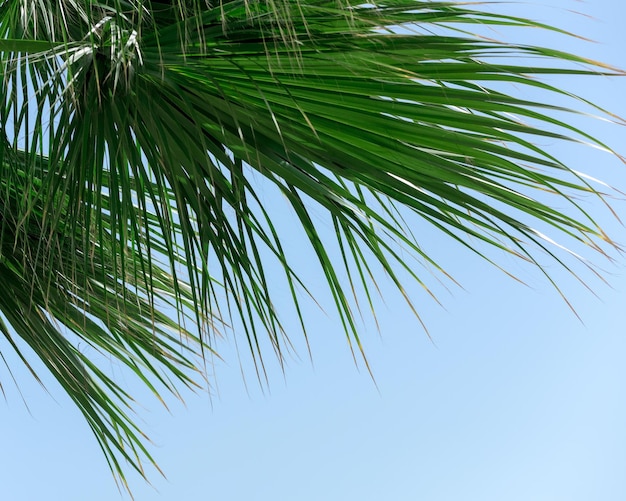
135, 135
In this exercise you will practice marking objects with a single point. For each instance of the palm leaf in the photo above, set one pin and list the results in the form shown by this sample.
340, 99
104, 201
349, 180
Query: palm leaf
137, 132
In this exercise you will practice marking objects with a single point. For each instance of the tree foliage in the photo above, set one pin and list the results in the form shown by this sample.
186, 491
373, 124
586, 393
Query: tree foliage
133, 133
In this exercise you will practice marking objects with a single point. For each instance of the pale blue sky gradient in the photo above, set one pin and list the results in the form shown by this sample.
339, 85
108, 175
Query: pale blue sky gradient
513, 399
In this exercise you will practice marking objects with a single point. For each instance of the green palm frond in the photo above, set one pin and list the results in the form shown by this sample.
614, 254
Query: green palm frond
136, 132
65, 285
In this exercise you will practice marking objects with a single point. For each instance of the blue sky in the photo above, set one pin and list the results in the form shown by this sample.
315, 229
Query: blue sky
513, 399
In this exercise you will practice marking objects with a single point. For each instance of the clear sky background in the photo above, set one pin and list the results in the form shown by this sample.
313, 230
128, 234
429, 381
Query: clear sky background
513, 399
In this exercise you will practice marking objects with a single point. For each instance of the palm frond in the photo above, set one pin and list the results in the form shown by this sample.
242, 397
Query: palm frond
135, 132
65, 286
